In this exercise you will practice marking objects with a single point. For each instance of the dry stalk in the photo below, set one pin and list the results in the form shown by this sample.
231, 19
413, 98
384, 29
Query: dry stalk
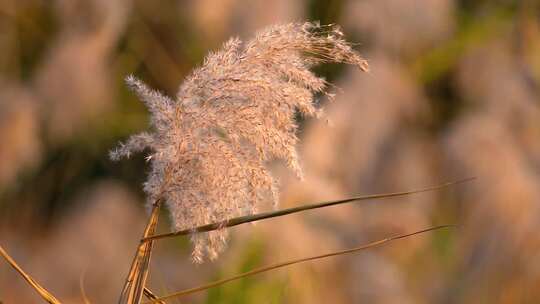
151, 296
136, 279
47, 296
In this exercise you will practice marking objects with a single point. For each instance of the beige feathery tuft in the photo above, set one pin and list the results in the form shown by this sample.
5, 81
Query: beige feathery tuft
210, 144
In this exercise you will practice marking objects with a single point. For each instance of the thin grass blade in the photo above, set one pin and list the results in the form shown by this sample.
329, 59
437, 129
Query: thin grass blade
82, 289
292, 262
266, 215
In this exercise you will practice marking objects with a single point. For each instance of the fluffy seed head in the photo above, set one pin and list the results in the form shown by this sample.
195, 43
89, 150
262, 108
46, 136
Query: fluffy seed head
210, 144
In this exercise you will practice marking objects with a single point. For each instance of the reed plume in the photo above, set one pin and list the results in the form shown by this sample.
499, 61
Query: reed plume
209, 145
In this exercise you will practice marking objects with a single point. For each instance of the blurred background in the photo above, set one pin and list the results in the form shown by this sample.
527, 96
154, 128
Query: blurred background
453, 93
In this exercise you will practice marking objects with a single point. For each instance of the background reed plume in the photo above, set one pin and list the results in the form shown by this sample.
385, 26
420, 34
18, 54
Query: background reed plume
210, 144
